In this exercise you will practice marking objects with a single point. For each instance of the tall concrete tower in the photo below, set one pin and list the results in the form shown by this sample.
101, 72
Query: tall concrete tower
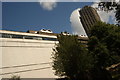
88, 17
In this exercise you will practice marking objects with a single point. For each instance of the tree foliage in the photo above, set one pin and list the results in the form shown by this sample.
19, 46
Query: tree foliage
104, 44
108, 6
71, 58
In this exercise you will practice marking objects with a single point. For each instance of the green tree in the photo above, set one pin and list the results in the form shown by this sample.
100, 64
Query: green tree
100, 53
104, 45
106, 35
71, 58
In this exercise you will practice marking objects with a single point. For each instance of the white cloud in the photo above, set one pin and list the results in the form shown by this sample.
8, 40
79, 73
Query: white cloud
108, 17
48, 5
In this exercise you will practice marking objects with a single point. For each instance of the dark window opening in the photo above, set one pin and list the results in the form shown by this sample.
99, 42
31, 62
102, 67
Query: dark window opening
5, 35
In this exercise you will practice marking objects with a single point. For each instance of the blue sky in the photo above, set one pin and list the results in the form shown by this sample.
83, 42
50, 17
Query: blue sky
23, 16
0, 15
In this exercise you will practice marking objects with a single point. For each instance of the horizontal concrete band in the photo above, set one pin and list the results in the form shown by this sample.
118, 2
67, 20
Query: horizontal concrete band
29, 42
29, 46
25, 70
35, 79
24, 65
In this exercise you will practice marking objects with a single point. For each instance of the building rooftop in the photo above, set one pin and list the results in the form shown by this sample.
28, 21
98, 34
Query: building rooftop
39, 33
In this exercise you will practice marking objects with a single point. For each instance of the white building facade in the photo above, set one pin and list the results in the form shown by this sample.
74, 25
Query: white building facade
27, 55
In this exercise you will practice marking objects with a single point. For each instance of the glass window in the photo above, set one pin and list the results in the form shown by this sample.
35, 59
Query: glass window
50, 39
28, 37
17, 36
33, 37
4, 35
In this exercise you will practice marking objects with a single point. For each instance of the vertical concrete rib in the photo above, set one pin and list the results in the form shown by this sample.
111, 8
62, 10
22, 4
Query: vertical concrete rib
89, 17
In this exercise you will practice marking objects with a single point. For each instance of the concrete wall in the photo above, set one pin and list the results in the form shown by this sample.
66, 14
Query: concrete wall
0, 59
24, 57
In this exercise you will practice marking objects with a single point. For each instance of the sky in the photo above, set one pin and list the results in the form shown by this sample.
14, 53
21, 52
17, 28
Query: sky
23, 16
0, 15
